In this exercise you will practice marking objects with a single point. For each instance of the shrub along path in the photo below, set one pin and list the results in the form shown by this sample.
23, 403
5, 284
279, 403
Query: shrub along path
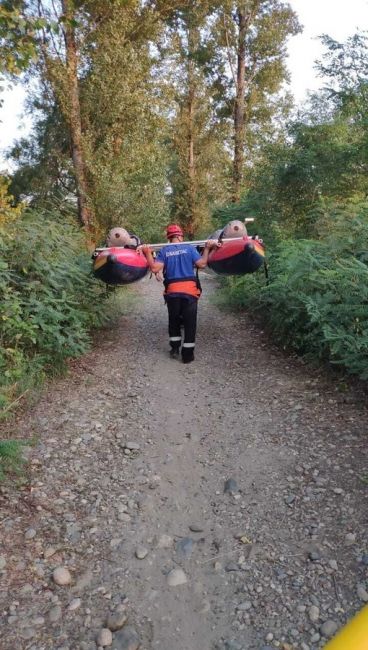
125, 496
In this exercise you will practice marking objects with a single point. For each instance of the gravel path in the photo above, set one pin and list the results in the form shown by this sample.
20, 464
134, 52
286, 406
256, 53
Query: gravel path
215, 506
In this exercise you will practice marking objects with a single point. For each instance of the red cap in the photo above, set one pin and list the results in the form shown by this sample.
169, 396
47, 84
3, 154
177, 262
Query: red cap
173, 231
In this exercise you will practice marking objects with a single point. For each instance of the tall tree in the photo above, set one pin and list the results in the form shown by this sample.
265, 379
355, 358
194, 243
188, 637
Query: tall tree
200, 161
95, 64
74, 111
50, 36
249, 47
323, 159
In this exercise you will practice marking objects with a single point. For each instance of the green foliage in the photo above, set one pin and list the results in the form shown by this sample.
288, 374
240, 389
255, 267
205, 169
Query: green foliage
49, 299
199, 163
123, 132
17, 42
11, 458
317, 299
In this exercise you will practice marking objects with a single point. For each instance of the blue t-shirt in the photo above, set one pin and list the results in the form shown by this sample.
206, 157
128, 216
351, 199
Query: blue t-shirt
179, 261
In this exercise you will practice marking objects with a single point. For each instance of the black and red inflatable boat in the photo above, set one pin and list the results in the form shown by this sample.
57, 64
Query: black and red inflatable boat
237, 256
119, 265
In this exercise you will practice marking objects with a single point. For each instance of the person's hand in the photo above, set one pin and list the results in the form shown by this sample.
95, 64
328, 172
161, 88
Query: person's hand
144, 248
212, 243
159, 276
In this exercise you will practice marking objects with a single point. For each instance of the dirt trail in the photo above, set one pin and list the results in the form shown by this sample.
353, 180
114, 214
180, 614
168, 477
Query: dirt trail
134, 451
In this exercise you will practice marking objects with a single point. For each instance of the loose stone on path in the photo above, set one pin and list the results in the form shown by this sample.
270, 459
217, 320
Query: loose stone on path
329, 628
231, 486
126, 639
176, 577
55, 614
141, 552
61, 576
116, 620
185, 547
104, 638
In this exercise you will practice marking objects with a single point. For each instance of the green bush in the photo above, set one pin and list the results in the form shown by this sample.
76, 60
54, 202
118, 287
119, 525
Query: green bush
317, 299
11, 457
49, 300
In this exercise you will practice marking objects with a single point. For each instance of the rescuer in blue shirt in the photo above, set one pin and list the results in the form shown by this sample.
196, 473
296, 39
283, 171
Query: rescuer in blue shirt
179, 262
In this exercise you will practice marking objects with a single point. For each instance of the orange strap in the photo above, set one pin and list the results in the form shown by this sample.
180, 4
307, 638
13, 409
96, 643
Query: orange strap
183, 286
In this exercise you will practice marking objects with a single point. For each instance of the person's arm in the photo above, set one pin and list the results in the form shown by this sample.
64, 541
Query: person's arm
203, 261
155, 267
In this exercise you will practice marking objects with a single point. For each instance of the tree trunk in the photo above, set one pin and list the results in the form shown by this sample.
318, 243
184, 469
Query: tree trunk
239, 108
84, 211
190, 141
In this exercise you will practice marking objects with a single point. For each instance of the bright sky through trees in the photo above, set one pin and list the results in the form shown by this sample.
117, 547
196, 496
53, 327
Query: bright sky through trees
337, 19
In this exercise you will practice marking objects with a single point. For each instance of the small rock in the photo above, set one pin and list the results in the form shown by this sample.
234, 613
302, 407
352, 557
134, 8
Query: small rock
165, 541
141, 552
30, 533
116, 620
133, 446
243, 607
232, 566
196, 528
126, 639
314, 556
176, 577
61, 576
185, 546
28, 633
313, 613
2, 562
328, 628
115, 542
231, 486
12, 619
104, 637
338, 491
362, 593
74, 604
55, 614
233, 645
49, 552
350, 538
290, 499
333, 565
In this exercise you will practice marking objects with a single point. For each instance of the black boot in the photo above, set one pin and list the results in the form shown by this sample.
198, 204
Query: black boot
174, 352
187, 355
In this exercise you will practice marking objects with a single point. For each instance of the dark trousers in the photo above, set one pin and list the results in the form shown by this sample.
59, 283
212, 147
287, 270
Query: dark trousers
182, 311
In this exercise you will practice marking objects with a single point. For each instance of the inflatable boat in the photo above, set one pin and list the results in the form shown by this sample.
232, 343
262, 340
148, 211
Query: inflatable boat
237, 256
117, 265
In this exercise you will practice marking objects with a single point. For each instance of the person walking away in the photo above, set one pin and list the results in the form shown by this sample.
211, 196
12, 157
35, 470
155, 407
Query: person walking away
179, 262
